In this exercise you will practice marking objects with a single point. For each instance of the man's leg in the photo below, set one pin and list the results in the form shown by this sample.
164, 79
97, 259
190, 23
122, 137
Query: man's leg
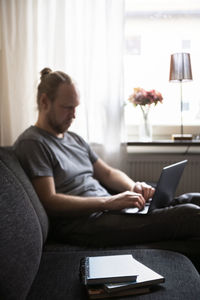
174, 222
187, 198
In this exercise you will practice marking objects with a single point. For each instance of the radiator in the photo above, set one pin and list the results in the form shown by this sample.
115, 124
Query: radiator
148, 169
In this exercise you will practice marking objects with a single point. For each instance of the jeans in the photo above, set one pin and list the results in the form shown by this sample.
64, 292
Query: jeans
181, 220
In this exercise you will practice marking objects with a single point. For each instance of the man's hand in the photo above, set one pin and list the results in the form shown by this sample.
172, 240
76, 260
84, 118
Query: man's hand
144, 189
125, 200
141, 193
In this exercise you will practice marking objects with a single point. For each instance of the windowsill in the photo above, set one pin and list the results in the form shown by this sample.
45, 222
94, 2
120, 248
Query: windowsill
165, 143
164, 146
161, 132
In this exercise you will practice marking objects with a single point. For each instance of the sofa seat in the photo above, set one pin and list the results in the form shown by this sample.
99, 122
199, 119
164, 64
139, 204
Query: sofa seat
58, 275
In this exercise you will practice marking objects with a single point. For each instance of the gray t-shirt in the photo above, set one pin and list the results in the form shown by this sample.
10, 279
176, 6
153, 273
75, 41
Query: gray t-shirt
69, 160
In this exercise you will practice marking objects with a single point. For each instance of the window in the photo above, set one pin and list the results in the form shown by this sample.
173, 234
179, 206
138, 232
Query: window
154, 30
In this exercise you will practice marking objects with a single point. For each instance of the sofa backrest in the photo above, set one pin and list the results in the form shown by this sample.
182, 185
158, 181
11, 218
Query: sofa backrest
23, 229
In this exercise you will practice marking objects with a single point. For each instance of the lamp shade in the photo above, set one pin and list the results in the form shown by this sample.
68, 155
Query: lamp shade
180, 67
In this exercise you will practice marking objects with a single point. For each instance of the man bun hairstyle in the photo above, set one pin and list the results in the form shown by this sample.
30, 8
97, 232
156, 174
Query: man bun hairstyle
45, 72
49, 83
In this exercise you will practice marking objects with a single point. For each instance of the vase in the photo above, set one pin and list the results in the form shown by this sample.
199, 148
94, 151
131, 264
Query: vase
145, 129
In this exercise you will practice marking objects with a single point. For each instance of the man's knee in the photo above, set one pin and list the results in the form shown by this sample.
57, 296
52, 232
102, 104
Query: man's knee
187, 198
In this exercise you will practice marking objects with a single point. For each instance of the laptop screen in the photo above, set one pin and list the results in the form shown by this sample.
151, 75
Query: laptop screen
167, 185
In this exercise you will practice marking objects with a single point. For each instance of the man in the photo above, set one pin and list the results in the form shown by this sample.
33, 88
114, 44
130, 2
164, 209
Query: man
72, 182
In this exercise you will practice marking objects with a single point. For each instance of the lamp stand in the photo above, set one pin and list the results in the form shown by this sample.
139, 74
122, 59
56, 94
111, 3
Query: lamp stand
181, 95
181, 136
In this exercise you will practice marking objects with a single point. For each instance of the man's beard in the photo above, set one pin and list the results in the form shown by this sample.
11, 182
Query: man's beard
58, 128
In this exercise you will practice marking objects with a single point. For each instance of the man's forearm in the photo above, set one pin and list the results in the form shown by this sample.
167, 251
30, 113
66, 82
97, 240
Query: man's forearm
119, 181
57, 204
69, 205
112, 178
72, 206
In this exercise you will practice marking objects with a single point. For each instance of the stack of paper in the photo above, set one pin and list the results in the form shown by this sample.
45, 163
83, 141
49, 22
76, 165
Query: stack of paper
116, 275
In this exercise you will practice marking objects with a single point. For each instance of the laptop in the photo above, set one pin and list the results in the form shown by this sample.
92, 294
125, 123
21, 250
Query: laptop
165, 189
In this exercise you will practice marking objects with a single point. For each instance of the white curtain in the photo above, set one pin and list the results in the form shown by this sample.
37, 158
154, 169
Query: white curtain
83, 38
18, 69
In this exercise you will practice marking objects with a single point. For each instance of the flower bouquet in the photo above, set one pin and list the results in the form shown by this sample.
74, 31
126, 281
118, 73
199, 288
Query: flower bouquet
144, 99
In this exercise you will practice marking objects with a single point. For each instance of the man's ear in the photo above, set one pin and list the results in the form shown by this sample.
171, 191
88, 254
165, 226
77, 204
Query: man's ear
44, 101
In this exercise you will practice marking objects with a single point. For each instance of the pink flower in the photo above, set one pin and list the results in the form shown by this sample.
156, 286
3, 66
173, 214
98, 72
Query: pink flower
142, 97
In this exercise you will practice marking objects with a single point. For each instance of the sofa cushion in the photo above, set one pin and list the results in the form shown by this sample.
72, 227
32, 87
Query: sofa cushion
23, 229
9, 159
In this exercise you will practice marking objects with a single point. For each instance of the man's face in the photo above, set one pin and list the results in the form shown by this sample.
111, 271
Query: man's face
61, 111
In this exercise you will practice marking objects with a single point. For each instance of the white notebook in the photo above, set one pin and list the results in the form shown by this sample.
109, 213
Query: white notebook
106, 269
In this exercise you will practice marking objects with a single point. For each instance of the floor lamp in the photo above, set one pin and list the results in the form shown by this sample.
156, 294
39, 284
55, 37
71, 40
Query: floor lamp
180, 70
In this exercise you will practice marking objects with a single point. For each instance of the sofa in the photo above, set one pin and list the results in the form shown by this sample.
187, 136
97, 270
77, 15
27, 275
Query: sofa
33, 266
